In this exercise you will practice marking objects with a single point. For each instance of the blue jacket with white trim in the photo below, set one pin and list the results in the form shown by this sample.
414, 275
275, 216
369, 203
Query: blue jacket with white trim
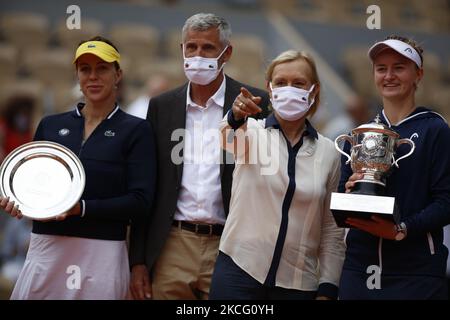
421, 187
119, 161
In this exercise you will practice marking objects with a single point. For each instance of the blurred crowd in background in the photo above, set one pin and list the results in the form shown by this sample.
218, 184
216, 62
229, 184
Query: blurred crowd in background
37, 76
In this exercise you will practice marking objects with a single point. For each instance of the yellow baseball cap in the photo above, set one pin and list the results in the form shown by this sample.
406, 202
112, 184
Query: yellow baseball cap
101, 49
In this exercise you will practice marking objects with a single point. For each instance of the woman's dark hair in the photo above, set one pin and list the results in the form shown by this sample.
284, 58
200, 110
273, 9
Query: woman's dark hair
411, 42
103, 39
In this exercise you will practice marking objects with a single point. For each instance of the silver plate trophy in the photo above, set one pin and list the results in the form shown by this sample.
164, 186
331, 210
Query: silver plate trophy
44, 178
372, 153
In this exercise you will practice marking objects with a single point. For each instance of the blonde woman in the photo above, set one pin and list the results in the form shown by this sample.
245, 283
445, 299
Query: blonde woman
280, 240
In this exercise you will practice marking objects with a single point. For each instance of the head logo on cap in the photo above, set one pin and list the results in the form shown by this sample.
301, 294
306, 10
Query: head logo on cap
401, 47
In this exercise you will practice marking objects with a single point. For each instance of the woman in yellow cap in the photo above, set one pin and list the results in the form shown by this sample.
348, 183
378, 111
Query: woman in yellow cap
82, 253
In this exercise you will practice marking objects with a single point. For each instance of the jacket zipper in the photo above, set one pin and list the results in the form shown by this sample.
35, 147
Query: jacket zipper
83, 142
82, 137
380, 257
431, 243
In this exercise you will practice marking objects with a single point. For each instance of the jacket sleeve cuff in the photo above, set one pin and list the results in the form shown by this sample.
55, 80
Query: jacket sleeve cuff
328, 290
235, 124
133, 261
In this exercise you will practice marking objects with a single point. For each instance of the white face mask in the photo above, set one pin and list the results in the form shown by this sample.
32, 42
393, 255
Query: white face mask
200, 70
291, 103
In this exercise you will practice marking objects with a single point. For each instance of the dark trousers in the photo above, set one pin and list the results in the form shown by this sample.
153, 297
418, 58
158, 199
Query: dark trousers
353, 286
229, 282
448, 287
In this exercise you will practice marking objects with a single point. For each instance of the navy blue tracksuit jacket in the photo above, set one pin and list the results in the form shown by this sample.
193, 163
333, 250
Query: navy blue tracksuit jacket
119, 162
414, 267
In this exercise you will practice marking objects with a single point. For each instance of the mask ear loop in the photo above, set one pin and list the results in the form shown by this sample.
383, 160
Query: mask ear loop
182, 49
309, 92
271, 88
220, 55
223, 51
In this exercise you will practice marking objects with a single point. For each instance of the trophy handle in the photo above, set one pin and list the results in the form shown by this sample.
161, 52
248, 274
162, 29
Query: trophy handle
336, 145
400, 142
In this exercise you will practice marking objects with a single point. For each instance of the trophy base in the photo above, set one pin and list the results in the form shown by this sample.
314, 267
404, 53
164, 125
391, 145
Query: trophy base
363, 206
369, 188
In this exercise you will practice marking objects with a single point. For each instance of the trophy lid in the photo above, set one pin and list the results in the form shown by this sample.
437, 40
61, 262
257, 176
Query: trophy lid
376, 126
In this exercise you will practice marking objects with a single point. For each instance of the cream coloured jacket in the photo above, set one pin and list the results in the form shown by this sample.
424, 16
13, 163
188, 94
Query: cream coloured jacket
313, 251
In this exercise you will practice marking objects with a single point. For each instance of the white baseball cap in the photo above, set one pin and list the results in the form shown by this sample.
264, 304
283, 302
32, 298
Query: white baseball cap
401, 47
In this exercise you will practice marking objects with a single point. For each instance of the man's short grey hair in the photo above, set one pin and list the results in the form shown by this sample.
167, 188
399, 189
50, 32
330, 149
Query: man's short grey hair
206, 21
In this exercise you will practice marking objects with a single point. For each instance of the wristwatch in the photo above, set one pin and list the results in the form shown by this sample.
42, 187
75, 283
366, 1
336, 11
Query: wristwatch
401, 231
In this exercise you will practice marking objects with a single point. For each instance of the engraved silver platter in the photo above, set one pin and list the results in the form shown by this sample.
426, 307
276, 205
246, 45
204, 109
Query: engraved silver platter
44, 178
